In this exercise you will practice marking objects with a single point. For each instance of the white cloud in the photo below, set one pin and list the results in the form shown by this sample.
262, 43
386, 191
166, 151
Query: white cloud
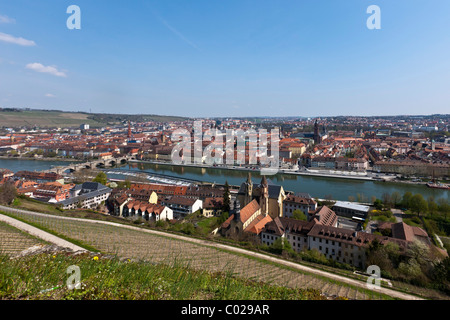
50, 95
6, 19
38, 67
20, 41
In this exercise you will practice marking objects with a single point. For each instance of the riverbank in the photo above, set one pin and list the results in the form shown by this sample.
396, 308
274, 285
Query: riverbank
317, 186
55, 159
353, 175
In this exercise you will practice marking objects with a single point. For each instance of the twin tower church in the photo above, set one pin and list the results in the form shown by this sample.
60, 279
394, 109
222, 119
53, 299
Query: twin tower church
254, 207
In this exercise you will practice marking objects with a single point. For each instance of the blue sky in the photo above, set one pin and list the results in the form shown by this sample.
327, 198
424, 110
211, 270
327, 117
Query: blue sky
208, 58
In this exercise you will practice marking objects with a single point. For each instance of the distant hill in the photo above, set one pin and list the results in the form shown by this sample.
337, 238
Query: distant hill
53, 118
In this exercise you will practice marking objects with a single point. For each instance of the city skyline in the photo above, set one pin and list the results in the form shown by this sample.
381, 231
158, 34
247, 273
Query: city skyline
239, 59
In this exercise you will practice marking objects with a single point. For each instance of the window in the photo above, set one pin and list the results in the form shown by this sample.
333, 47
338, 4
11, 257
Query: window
326, 241
320, 248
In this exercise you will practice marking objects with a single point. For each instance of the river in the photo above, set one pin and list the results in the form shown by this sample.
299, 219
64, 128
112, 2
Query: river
321, 187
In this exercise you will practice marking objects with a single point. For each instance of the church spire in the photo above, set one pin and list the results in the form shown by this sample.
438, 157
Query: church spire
264, 181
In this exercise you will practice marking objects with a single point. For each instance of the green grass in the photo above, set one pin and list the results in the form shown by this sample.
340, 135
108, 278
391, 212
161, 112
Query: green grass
79, 237
44, 277
383, 218
412, 223
42, 118
63, 119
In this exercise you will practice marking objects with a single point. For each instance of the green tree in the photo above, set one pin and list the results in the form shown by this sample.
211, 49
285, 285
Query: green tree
226, 198
188, 228
419, 251
441, 271
377, 255
299, 215
432, 205
418, 204
378, 204
101, 178
406, 200
395, 198
281, 245
223, 217
444, 207
124, 184
410, 269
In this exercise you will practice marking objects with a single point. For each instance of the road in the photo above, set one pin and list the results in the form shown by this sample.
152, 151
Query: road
398, 214
41, 234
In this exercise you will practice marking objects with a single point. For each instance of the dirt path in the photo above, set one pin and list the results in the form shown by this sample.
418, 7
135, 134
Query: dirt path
48, 237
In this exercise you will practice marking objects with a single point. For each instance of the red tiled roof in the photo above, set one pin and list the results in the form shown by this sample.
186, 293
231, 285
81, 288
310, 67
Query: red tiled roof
249, 210
257, 225
406, 232
245, 213
326, 216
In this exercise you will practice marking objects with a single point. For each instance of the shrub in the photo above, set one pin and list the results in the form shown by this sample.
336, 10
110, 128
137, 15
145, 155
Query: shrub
188, 228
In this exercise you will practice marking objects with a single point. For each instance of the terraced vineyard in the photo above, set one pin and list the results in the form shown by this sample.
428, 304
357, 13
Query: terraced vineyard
141, 245
13, 241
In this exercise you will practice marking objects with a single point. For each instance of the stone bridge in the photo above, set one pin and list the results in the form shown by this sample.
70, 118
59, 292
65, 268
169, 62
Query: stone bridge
101, 163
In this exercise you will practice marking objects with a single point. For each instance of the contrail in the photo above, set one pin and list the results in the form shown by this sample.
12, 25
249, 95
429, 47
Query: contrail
178, 33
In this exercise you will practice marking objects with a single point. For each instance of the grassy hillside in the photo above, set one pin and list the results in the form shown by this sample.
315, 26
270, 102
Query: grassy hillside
45, 119
50, 119
163, 249
44, 277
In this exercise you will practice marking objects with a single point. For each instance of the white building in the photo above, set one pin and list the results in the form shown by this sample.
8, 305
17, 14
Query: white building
87, 196
298, 202
350, 209
182, 206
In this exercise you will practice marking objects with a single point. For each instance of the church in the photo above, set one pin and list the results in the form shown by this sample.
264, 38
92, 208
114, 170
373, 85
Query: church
260, 204
269, 196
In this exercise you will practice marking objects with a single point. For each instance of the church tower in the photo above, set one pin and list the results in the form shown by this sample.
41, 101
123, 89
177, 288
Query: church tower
264, 197
316, 133
249, 191
237, 210
129, 131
